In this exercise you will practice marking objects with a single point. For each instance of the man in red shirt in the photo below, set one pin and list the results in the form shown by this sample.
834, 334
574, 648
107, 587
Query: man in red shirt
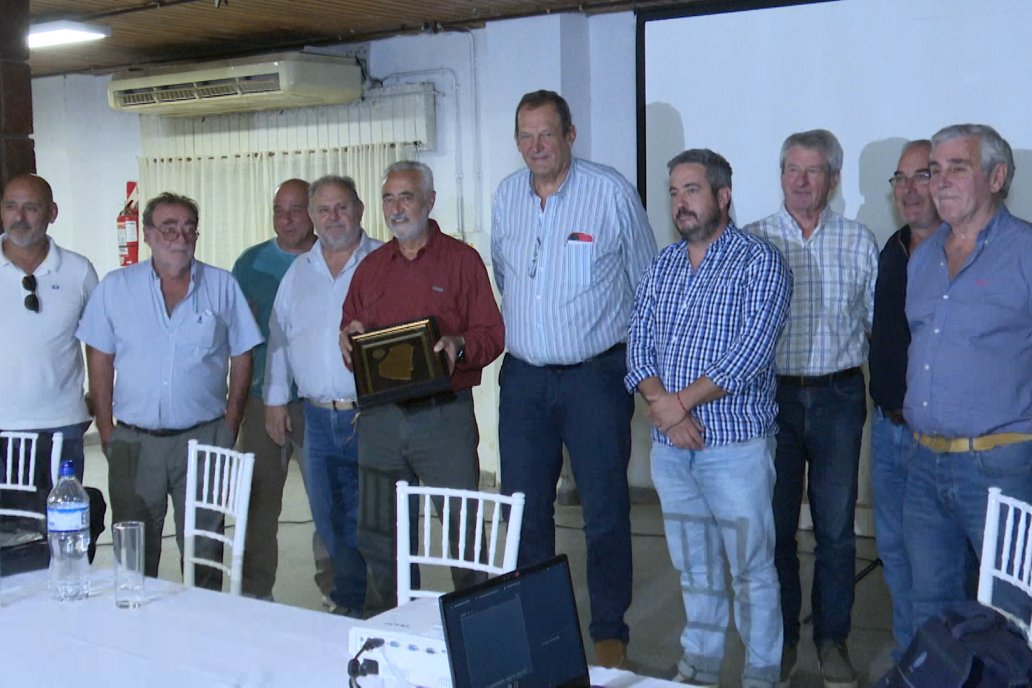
421, 272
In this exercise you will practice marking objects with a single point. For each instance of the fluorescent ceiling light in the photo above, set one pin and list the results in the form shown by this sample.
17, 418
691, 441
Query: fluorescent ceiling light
64, 32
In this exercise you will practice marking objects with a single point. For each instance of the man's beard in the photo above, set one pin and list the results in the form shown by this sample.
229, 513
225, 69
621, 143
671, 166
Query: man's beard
700, 231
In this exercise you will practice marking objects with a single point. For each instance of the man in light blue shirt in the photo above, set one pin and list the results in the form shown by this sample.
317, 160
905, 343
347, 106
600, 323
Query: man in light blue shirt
707, 315
969, 377
569, 242
173, 328
259, 270
304, 350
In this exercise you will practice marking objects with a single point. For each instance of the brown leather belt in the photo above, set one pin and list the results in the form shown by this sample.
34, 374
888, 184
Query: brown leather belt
956, 445
894, 417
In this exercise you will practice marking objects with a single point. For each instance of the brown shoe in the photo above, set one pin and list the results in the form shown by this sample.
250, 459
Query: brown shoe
611, 653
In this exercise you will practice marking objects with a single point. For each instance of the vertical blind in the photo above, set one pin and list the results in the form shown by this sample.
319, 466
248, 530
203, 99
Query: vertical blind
231, 164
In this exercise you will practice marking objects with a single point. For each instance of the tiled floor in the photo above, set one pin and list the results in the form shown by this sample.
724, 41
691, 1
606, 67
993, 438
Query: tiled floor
656, 616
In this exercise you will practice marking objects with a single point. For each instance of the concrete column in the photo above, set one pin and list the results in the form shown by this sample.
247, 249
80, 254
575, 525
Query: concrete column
16, 148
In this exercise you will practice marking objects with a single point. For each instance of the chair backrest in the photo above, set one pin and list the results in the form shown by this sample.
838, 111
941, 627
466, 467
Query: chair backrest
474, 547
1007, 555
18, 473
217, 479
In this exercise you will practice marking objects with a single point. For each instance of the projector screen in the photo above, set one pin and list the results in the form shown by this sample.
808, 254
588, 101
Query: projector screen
874, 72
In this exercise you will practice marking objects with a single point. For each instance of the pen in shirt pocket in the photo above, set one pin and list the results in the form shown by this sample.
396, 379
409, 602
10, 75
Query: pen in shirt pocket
580, 236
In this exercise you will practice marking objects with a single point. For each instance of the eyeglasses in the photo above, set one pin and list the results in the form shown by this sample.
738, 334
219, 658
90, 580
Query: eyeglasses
31, 299
172, 232
919, 178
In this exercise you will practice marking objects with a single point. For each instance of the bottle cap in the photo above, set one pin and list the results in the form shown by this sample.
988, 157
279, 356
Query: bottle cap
67, 468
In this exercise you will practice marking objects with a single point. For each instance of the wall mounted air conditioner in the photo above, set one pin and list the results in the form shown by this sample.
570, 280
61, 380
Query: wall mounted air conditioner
265, 82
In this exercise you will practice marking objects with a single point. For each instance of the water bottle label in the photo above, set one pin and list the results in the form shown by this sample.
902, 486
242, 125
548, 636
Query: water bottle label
67, 520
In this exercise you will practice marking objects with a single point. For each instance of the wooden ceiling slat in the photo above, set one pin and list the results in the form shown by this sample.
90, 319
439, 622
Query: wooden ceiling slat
197, 30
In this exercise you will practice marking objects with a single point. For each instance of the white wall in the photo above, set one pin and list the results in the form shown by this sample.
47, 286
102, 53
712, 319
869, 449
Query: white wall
874, 72
88, 151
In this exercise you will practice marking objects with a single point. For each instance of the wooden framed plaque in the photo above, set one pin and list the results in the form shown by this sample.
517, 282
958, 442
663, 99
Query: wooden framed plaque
398, 363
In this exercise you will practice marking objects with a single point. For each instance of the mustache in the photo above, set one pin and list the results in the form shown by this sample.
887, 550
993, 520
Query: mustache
685, 213
20, 224
399, 217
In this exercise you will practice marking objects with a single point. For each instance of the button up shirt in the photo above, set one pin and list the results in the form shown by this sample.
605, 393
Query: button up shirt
567, 273
448, 280
304, 329
832, 308
40, 359
970, 369
719, 321
170, 370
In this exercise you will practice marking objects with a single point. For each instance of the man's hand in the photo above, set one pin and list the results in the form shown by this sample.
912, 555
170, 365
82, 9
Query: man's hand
104, 430
277, 424
353, 327
451, 346
687, 434
233, 423
665, 411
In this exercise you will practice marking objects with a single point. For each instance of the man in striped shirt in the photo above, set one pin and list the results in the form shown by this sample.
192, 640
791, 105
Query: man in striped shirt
569, 241
821, 399
707, 315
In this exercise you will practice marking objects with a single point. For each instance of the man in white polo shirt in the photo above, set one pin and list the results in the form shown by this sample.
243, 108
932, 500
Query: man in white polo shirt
44, 290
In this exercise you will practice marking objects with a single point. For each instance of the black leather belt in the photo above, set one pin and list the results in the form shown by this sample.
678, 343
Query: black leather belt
819, 380
165, 432
438, 399
620, 347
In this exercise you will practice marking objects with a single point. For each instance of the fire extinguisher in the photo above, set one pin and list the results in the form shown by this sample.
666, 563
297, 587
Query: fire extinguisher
128, 227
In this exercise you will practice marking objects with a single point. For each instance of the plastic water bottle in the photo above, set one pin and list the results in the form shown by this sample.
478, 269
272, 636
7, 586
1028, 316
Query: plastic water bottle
68, 531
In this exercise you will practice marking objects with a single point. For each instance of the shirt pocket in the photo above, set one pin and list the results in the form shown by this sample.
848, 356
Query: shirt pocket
578, 262
200, 331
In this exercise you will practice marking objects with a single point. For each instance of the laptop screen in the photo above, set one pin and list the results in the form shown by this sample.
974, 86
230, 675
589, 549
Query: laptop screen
517, 630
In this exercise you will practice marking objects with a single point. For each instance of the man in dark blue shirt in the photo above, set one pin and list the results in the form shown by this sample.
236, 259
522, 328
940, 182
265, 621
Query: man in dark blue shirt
890, 337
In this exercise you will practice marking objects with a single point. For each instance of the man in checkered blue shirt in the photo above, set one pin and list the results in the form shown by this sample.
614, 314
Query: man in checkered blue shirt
707, 315
822, 403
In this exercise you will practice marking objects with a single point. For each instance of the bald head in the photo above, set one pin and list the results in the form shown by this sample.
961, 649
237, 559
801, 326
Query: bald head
290, 219
27, 209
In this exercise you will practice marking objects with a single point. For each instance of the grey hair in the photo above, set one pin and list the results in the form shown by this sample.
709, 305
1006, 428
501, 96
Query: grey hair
426, 175
169, 198
333, 180
819, 140
916, 143
995, 149
718, 169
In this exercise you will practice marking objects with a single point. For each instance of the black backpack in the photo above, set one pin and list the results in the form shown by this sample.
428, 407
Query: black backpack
969, 646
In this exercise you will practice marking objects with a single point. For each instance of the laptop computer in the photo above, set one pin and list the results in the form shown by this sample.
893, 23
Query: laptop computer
517, 630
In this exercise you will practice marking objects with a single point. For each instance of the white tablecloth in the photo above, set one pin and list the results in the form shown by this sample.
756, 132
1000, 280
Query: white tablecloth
180, 638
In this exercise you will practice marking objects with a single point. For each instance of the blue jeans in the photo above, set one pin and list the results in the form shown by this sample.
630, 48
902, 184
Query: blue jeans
716, 504
586, 408
944, 512
819, 433
890, 447
331, 452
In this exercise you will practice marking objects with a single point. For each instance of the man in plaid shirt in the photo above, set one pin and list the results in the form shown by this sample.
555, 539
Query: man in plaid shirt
822, 403
707, 315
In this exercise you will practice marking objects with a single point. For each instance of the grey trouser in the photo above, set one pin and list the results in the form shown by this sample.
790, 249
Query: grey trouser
261, 556
143, 472
432, 443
